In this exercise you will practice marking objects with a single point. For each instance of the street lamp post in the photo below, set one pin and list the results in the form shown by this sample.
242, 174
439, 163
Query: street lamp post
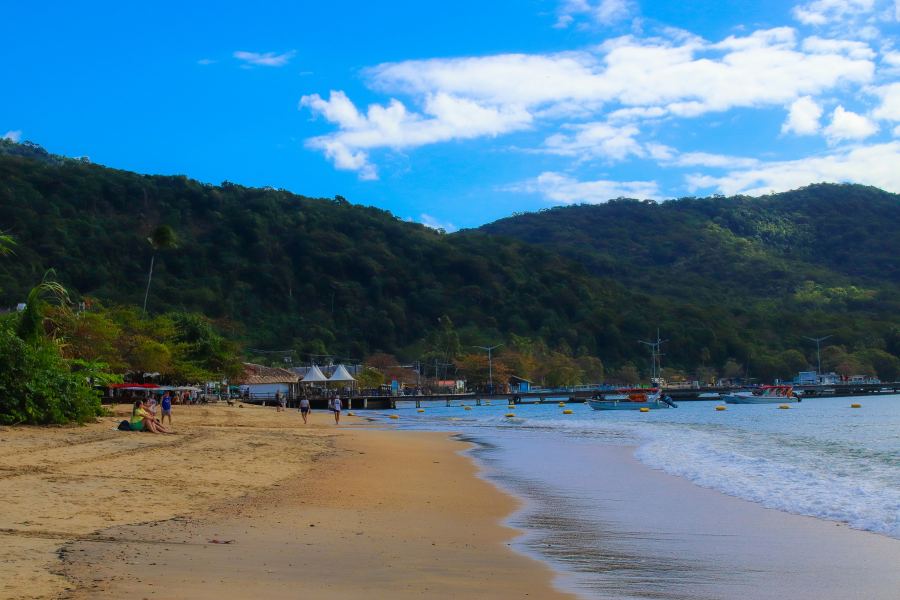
818, 341
489, 349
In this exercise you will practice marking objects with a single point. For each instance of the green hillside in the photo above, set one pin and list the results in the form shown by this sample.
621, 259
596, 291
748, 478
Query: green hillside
735, 278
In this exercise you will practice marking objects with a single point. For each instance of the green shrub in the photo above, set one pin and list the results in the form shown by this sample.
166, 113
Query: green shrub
38, 387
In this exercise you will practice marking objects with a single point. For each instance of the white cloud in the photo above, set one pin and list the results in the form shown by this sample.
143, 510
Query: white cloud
596, 140
822, 12
624, 81
716, 161
206, 61
890, 102
443, 118
847, 125
851, 48
689, 77
870, 165
264, 59
602, 12
13, 135
803, 118
429, 221
562, 189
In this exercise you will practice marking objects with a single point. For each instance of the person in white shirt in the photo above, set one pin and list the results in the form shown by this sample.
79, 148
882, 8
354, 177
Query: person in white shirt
336, 407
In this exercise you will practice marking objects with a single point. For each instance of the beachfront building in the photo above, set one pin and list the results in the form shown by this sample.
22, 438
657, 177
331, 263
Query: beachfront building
261, 382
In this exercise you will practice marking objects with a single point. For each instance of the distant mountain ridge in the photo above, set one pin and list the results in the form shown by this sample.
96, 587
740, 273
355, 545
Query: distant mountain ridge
723, 278
840, 234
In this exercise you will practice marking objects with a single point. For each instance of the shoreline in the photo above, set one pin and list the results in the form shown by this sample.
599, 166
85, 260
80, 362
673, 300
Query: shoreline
334, 512
654, 534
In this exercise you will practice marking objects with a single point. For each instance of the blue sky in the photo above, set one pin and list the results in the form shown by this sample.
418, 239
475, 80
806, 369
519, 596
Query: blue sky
456, 114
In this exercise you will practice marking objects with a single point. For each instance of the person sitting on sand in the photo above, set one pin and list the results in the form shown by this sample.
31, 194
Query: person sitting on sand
142, 420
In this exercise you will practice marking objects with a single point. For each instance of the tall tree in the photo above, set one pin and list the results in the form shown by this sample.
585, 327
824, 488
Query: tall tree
162, 238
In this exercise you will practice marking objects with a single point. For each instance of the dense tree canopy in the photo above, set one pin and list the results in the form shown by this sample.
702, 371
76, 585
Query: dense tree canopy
729, 281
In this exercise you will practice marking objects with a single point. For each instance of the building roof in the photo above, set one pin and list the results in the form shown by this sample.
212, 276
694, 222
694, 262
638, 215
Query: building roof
259, 375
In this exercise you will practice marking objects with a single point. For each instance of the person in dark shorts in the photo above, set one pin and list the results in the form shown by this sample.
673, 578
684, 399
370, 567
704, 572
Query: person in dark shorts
166, 406
336, 407
304, 409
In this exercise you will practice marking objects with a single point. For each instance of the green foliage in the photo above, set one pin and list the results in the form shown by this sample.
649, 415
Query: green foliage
37, 386
369, 378
7, 243
163, 237
181, 347
722, 278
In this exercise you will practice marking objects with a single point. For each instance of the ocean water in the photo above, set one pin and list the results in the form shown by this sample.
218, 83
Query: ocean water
614, 539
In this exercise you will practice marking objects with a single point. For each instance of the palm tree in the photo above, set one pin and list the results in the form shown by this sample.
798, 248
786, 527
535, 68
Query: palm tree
6, 244
162, 238
31, 321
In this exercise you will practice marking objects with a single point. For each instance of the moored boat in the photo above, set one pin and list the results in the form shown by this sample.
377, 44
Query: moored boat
631, 399
767, 394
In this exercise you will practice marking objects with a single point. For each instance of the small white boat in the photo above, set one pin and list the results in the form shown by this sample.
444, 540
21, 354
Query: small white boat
767, 394
634, 399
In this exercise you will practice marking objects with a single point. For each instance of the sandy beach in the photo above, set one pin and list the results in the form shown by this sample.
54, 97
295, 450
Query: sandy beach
247, 501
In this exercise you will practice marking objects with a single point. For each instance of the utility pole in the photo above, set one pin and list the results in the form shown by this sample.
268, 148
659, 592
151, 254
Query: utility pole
818, 342
489, 349
655, 360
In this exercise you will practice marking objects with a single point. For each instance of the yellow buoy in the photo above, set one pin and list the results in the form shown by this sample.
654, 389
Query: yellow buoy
720, 407
855, 405
467, 408
568, 411
783, 406
395, 416
420, 410
510, 414
562, 403
510, 407
349, 414
487, 402
645, 409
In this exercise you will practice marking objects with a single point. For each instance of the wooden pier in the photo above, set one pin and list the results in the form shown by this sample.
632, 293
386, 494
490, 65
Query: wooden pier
580, 396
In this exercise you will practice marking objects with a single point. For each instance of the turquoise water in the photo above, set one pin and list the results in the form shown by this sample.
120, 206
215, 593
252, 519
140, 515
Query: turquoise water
821, 458
612, 533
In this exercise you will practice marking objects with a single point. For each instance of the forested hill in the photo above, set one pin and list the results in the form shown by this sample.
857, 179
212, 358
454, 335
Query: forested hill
733, 278
715, 248
285, 271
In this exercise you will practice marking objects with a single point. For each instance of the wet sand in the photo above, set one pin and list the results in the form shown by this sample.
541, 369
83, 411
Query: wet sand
248, 502
653, 535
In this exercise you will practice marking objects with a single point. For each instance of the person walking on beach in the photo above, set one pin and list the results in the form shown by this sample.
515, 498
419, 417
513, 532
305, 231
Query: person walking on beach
166, 407
336, 407
304, 409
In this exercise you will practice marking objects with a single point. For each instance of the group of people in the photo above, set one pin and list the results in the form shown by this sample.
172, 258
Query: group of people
143, 415
334, 405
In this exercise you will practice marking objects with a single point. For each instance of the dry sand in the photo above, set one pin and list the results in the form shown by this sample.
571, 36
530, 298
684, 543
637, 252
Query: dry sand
317, 512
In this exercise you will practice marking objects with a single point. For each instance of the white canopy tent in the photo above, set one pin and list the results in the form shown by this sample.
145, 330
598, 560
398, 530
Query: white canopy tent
341, 375
314, 375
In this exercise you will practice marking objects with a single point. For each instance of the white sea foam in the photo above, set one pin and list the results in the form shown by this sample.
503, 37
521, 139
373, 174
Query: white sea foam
821, 459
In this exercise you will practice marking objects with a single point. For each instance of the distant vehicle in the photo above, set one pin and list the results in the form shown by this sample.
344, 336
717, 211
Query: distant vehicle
631, 399
767, 394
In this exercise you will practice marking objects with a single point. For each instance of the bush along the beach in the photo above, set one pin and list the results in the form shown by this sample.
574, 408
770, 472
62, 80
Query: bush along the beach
37, 384
38, 387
